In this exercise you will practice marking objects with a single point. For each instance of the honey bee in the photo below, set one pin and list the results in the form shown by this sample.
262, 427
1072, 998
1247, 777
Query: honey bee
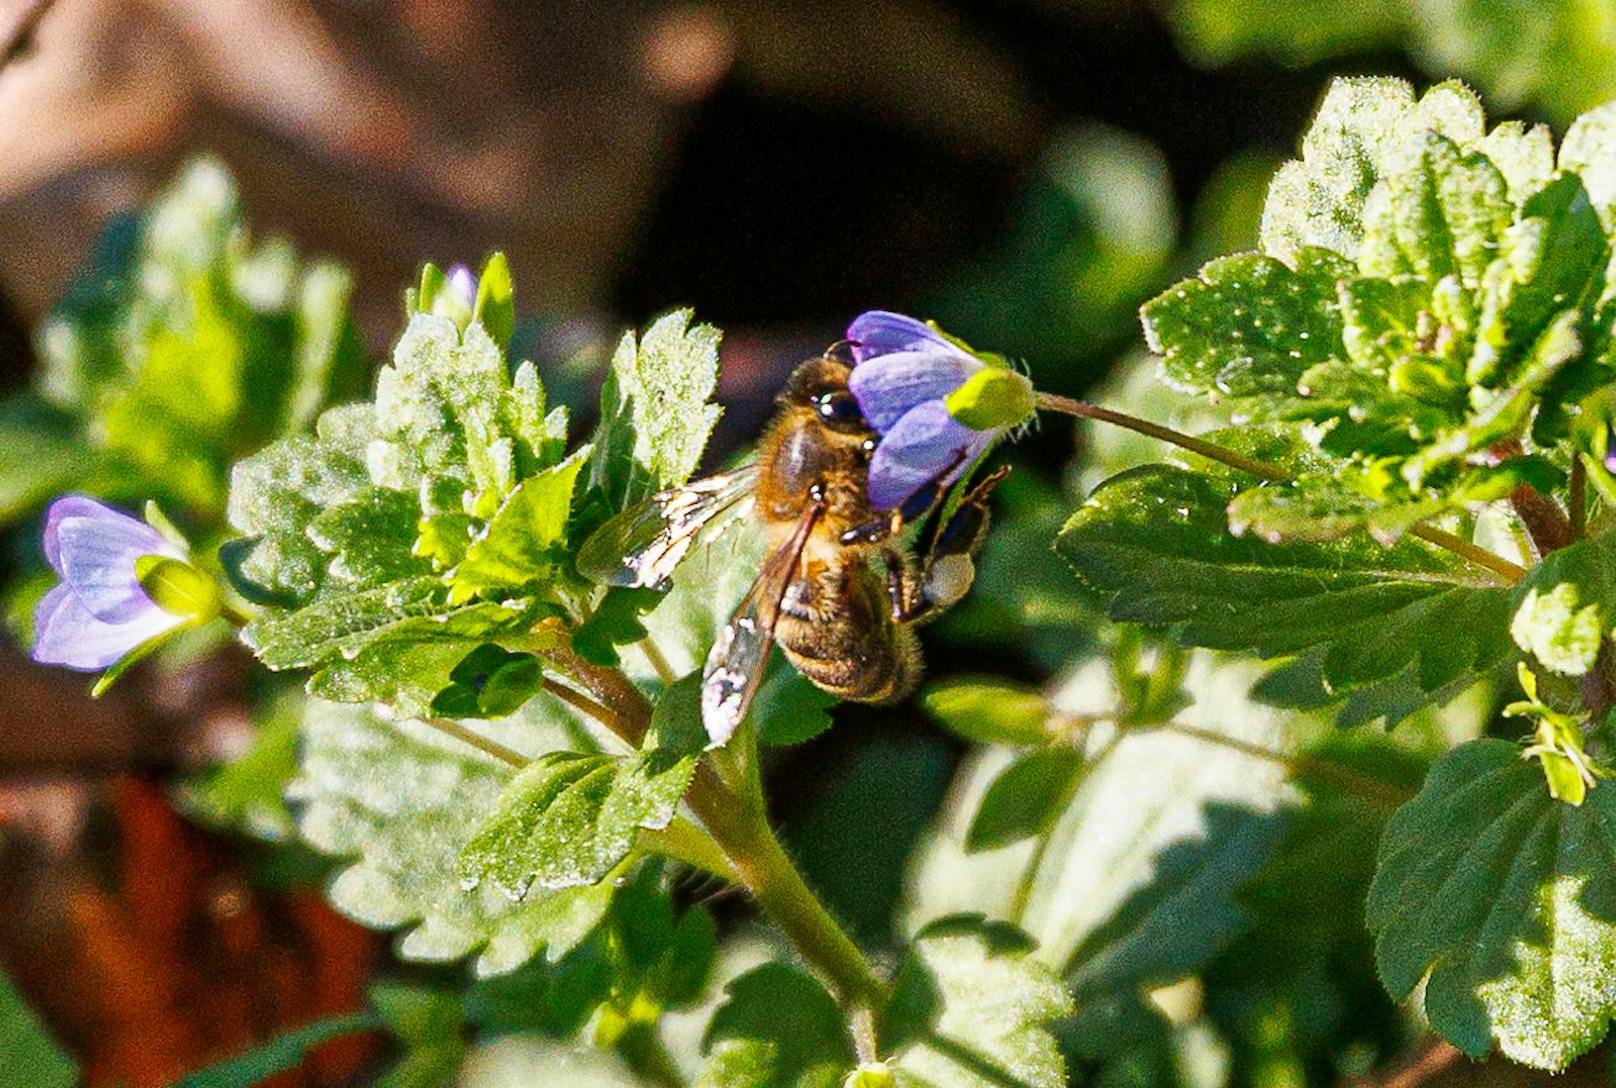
818, 594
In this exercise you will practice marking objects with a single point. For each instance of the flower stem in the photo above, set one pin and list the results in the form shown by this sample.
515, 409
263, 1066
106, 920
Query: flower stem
1509, 572
1495, 564
1210, 450
1374, 790
452, 728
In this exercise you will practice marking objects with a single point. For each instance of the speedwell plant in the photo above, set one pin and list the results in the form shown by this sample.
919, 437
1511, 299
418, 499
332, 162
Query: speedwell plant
1403, 504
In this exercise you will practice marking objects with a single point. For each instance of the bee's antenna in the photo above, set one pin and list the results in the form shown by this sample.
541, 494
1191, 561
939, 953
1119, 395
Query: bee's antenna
842, 351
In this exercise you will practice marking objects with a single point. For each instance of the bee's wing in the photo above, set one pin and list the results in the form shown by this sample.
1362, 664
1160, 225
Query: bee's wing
642, 545
735, 663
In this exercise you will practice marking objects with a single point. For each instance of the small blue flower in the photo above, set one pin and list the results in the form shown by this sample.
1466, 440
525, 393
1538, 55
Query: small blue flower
100, 613
462, 286
908, 379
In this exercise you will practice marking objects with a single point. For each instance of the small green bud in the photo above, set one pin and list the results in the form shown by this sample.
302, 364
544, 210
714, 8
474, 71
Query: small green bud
871, 1075
177, 587
994, 398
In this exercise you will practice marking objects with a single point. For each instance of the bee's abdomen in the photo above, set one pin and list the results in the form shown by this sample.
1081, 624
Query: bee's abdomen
838, 633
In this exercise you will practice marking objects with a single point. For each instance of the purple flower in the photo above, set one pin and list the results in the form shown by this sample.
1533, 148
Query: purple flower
462, 286
925, 396
100, 612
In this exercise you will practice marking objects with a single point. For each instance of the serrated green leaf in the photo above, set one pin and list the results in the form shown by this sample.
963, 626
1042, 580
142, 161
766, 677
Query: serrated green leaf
33, 1060
1562, 608
185, 344
655, 416
1248, 324
989, 711
1319, 199
523, 543
1026, 799
1502, 899
401, 800
971, 1009
1155, 543
568, 819
777, 1028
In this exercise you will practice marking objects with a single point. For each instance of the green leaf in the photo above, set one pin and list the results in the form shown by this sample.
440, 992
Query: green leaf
283, 1053
33, 1060
1387, 629
524, 542
1248, 325
495, 307
1562, 610
346, 533
972, 1008
788, 708
777, 1028
401, 800
41, 455
489, 682
655, 416
1026, 799
428, 1024
1319, 200
1503, 900
989, 711
567, 819
1136, 884
185, 344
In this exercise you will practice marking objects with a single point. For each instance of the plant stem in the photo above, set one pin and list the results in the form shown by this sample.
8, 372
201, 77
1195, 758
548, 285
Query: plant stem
1545, 522
1579, 497
580, 702
1508, 572
1383, 794
768, 873
1496, 564
739, 826
653, 654
483, 744
1210, 450
684, 841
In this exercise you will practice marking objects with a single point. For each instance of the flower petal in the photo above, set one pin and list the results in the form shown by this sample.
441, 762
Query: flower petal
94, 548
66, 633
926, 444
881, 332
888, 386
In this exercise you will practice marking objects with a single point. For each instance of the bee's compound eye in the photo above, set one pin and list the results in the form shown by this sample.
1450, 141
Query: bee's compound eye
840, 410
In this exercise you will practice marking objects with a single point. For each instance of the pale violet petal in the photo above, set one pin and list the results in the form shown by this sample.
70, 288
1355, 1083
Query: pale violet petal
66, 633
97, 557
882, 332
926, 444
889, 386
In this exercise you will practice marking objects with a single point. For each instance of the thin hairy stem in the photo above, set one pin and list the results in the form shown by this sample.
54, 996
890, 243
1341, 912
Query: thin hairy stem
684, 841
1495, 564
581, 702
1380, 793
1436, 1057
1210, 450
1509, 573
1545, 522
452, 728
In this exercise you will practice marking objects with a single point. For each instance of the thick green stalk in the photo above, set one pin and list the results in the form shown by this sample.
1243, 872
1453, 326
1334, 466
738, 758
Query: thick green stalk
738, 824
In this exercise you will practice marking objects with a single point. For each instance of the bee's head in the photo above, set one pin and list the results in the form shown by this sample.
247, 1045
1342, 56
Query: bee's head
821, 386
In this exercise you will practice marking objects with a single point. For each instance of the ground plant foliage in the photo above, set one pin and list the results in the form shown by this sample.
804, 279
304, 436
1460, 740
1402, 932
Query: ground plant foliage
1320, 769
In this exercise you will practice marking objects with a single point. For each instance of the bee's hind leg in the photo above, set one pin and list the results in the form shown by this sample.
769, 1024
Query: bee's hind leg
950, 562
